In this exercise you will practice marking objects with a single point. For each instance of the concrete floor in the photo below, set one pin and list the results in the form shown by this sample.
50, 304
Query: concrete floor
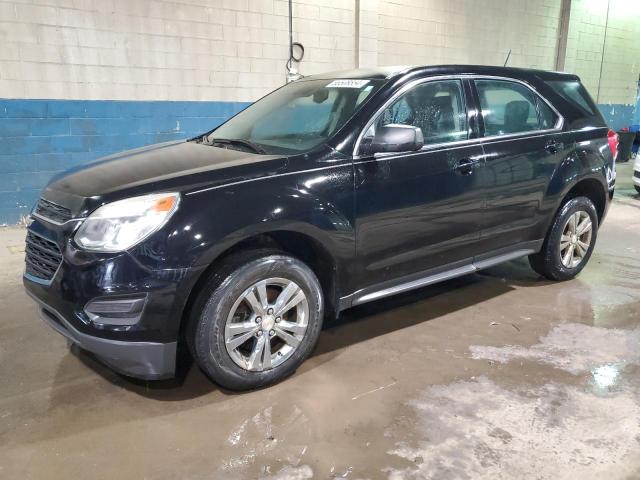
495, 375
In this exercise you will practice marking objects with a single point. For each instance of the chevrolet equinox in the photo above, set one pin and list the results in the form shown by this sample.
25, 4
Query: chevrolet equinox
332, 191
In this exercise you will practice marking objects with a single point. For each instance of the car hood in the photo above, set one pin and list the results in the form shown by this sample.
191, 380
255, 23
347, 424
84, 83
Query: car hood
176, 165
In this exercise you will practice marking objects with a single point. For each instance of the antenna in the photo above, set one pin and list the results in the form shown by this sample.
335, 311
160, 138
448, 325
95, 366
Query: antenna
507, 59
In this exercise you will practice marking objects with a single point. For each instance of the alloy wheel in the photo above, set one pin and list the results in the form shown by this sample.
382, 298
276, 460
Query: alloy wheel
266, 324
576, 239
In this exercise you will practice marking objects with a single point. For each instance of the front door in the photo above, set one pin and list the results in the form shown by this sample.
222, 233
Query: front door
419, 210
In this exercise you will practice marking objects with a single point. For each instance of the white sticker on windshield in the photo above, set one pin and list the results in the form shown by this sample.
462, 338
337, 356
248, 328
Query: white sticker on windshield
345, 83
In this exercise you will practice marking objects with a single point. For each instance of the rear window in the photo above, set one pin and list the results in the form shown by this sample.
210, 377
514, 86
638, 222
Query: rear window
574, 92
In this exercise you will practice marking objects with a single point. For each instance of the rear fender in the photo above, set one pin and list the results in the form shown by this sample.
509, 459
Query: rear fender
587, 162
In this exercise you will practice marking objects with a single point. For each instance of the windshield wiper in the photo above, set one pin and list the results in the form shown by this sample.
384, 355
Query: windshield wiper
235, 141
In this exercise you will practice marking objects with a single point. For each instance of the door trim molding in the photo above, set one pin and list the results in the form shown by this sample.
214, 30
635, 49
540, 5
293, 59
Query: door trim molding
439, 274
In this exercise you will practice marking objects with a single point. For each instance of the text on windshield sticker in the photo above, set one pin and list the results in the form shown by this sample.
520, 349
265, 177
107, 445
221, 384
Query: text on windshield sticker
345, 83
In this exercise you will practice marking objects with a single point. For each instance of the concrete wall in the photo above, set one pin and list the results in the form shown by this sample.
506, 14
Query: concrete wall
609, 65
439, 31
231, 50
43, 137
81, 79
476, 32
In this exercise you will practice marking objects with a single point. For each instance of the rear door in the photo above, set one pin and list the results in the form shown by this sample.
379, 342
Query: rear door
419, 210
523, 146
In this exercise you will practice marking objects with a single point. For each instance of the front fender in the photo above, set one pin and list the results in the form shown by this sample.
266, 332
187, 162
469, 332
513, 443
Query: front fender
316, 203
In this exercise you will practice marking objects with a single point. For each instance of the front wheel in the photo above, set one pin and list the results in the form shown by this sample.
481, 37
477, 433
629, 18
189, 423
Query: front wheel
570, 241
256, 320
637, 188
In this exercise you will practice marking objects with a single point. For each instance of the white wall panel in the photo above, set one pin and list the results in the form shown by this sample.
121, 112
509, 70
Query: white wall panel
236, 49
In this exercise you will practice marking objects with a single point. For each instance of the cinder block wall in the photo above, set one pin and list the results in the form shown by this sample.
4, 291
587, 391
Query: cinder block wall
80, 79
483, 31
616, 92
40, 138
229, 50
476, 32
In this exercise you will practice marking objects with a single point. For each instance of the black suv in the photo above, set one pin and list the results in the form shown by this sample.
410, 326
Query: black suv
332, 191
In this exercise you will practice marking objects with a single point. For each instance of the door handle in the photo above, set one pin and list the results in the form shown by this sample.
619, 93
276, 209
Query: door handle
553, 146
464, 166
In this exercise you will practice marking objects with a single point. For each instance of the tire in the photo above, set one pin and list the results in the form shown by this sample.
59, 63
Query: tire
637, 188
222, 302
549, 262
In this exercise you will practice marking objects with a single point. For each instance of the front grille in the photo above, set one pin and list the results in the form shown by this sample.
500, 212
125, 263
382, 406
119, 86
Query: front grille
52, 211
636, 174
42, 257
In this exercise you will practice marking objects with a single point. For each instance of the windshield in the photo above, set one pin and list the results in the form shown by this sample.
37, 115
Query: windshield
298, 116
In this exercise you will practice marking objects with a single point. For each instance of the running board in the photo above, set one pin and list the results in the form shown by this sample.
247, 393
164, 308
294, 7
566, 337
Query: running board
432, 276
422, 282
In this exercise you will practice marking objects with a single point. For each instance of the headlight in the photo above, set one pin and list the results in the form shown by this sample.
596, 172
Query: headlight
120, 225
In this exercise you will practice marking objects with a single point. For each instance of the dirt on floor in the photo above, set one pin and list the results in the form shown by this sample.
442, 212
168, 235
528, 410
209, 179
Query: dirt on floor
495, 375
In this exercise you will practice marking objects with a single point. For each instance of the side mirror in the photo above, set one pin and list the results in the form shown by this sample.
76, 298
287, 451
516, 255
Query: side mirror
397, 138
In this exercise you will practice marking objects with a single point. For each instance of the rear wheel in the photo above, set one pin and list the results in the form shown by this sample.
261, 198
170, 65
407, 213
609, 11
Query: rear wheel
637, 188
570, 241
256, 320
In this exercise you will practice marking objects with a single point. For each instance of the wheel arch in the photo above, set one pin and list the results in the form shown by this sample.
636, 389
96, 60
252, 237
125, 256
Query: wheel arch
590, 187
301, 245
593, 190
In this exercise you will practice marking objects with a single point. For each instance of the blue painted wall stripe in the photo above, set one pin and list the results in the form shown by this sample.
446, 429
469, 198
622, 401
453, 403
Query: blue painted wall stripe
618, 115
40, 138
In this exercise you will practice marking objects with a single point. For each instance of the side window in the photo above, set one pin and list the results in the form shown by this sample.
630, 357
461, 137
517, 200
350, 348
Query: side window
548, 117
509, 107
575, 93
437, 108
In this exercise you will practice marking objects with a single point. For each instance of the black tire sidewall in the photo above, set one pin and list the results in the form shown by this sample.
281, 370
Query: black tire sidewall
552, 249
209, 342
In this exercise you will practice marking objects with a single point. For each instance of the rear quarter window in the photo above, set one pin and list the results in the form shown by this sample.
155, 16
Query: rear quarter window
575, 93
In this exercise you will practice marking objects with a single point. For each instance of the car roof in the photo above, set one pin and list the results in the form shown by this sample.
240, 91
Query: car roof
386, 73
376, 73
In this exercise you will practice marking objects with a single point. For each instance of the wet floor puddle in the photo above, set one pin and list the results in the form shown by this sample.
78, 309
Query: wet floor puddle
585, 429
480, 428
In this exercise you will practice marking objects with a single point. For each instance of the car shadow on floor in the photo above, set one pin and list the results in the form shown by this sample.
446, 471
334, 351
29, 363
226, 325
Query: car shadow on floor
354, 326
408, 309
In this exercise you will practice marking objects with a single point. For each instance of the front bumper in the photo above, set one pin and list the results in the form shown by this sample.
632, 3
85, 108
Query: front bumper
146, 360
143, 345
